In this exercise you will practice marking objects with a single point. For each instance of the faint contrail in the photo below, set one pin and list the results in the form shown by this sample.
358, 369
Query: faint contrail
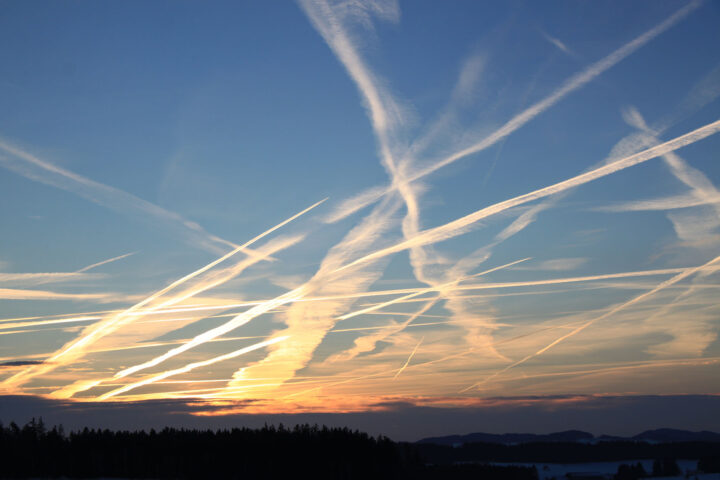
428, 290
624, 367
7, 326
189, 367
39, 278
39, 170
461, 225
378, 293
368, 342
19, 294
114, 259
573, 83
382, 327
409, 358
680, 276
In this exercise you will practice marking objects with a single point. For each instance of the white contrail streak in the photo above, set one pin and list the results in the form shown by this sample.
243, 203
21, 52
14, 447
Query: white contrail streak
73, 350
236, 322
448, 285
412, 354
104, 262
680, 276
7, 326
19, 294
189, 367
463, 224
38, 278
573, 83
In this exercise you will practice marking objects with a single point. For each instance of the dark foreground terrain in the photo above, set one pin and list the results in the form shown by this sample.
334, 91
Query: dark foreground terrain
34, 451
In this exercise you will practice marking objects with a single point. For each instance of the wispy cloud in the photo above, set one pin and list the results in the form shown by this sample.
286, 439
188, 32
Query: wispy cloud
34, 168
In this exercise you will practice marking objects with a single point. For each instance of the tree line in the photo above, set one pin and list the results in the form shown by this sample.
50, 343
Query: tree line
35, 451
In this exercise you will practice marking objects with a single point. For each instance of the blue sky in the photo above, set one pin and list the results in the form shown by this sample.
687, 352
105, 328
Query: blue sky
178, 131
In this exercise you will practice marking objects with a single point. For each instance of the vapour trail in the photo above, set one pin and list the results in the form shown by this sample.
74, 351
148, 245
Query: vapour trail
38, 278
7, 326
74, 349
383, 327
236, 322
41, 278
573, 83
31, 167
680, 276
449, 285
377, 293
104, 262
463, 224
367, 343
189, 367
78, 347
218, 279
409, 358
624, 367
423, 364
20, 294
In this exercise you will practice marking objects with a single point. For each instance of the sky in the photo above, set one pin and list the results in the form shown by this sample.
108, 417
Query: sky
233, 211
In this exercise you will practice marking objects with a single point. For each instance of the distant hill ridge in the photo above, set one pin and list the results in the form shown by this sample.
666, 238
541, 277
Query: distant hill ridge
661, 435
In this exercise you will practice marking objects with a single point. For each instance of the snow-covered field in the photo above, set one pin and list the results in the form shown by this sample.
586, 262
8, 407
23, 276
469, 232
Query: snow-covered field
547, 471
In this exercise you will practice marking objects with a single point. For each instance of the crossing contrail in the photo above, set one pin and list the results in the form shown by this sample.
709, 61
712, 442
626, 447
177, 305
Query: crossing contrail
463, 224
573, 83
189, 367
76, 348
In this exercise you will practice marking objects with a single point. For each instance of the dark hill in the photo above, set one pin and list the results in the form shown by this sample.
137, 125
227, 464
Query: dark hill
662, 435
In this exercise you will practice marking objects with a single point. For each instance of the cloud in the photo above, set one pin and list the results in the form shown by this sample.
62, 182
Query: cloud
18, 294
20, 363
556, 265
34, 168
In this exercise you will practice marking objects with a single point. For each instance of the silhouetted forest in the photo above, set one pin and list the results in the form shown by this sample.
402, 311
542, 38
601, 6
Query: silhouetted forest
34, 451
271, 452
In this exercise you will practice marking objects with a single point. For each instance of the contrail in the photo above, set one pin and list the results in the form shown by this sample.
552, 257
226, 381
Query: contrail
429, 362
571, 84
382, 327
19, 294
77, 347
41, 278
39, 170
38, 278
190, 367
114, 259
680, 276
624, 367
463, 224
409, 358
333, 30
73, 350
236, 322
367, 343
378, 293
428, 290
7, 326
